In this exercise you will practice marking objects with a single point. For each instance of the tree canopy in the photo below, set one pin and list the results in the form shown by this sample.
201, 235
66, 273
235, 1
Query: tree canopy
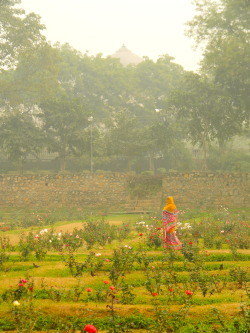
223, 28
143, 114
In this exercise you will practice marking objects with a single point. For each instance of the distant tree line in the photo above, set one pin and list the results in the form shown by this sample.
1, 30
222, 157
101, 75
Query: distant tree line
54, 98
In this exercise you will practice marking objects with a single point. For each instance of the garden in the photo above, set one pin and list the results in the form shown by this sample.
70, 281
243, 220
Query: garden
74, 270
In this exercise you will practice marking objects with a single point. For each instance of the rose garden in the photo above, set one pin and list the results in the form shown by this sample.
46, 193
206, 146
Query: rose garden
74, 270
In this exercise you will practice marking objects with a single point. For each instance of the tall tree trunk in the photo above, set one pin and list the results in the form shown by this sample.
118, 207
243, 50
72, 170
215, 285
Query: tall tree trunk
62, 157
204, 147
62, 163
20, 165
130, 162
151, 163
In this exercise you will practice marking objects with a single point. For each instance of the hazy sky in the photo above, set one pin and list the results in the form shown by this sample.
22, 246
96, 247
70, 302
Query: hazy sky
146, 27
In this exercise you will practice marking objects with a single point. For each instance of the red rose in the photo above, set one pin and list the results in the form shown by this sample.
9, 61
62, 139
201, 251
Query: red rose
90, 329
189, 292
107, 260
171, 289
154, 294
141, 234
106, 282
112, 288
24, 281
190, 243
89, 290
20, 284
159, 228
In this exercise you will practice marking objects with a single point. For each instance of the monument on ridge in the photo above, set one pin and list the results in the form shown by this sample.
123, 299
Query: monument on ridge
126, 57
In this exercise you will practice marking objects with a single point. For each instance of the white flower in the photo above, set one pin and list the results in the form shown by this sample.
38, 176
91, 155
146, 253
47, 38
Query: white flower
43, 231
98, 254
16, 303
50, 241
59, 234
222, 231
77, 236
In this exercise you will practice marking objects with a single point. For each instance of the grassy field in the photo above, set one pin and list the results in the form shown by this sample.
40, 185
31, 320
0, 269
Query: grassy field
111, 272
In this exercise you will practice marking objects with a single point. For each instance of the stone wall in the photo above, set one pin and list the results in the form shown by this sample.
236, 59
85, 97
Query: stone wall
61, 190
197, 190
194, 190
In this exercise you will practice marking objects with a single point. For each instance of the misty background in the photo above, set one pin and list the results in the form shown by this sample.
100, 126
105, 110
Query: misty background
116, 86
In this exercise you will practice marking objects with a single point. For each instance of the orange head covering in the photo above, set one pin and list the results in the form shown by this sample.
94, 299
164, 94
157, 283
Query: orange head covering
170, 205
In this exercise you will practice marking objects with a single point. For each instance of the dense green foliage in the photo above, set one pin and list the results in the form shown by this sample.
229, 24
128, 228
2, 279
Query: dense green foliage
144, 117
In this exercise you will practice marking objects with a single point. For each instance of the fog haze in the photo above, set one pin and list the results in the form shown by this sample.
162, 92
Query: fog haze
148, 28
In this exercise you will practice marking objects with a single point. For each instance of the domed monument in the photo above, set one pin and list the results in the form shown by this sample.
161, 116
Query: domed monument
126, 57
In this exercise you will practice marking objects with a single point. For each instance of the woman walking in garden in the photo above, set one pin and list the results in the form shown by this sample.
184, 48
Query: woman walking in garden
169, 221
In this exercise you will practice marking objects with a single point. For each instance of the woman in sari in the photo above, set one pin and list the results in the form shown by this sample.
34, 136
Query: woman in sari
169, 221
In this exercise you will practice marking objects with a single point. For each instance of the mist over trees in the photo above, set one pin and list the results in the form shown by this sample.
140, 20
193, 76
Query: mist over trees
154, 116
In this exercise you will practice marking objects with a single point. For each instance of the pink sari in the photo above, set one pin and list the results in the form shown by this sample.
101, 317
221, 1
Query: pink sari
169, 221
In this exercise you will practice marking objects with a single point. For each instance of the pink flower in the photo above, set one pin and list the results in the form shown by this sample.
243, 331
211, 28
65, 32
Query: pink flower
106, 282
90, 329
112, 288
24, 281
107, 260
89, 290
154, 294
189, 292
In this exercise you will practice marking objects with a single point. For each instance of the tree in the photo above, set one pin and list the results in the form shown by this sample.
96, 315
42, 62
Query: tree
206, 113
101, 84
223, 27
20, 134
154, 82
164, 139
124, 138
18, 32
63, 122
28, 64
35, 77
